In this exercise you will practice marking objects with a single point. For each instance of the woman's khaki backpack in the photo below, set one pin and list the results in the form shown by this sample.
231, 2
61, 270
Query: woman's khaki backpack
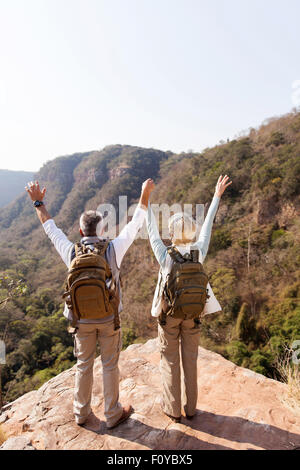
185, 292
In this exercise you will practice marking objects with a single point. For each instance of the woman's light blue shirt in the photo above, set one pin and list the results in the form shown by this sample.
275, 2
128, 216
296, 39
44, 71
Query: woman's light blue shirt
159, 248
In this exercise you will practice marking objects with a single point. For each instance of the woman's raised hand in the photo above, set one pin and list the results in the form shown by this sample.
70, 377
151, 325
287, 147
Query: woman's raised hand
222, 184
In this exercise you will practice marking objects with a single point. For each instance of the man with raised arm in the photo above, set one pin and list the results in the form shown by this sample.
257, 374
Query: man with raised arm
105, 330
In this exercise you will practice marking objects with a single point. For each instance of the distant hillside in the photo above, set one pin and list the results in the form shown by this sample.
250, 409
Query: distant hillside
12, 184
82, 181
253, 261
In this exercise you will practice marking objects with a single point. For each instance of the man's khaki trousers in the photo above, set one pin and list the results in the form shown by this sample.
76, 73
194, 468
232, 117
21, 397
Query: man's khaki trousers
110, 344
179, 334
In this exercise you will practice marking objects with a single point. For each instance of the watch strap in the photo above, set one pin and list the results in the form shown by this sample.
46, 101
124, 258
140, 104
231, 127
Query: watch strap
38, 203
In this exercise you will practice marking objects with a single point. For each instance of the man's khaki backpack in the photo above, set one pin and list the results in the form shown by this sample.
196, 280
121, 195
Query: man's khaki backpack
91, 292
185, 291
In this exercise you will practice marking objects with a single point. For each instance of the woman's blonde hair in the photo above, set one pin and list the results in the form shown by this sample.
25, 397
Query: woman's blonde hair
182, 227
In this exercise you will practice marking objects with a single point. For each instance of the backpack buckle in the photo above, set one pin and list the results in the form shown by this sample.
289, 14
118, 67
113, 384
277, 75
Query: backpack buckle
72, 330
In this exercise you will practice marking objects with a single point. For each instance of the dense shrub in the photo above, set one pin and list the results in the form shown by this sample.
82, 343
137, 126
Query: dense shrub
277, 138
238, 353
221, 239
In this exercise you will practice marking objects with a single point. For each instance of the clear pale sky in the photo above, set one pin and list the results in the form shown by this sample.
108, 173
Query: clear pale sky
77, 75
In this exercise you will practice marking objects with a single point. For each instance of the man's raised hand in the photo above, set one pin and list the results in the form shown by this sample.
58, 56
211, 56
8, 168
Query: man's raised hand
34, 191
147, 189
222, 184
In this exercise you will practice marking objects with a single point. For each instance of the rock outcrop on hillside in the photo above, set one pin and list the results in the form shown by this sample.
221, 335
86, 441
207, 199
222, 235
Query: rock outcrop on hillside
237, 409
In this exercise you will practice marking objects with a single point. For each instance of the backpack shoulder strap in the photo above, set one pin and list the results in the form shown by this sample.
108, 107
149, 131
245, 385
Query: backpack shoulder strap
79, 249
72, 254
175, 254
101, 247
195, 255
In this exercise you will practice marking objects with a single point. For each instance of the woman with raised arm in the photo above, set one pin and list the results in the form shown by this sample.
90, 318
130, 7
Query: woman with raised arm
183, 295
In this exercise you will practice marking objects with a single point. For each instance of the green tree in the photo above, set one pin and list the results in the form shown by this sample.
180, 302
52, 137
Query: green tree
243, 324
10, 288
238, 353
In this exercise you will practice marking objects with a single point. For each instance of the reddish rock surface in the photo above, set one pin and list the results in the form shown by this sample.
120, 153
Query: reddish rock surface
237, 409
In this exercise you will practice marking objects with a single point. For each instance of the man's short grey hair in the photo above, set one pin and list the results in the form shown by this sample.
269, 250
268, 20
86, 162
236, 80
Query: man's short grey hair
91, 223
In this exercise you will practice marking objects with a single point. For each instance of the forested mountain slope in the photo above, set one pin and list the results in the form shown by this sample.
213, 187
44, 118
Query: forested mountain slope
253, 262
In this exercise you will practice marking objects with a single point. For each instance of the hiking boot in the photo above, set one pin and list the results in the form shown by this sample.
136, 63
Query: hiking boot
80, 421
189, 416
127, 411
175, 420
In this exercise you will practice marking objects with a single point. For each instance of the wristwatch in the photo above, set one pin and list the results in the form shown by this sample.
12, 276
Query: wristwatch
38, 203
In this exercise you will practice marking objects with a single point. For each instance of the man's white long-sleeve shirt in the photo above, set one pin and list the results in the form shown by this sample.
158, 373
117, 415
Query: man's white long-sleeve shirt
121, 243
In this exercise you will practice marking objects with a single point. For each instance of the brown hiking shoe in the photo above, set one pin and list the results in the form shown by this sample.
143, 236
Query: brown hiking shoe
127, 411
175, 420
189, 416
